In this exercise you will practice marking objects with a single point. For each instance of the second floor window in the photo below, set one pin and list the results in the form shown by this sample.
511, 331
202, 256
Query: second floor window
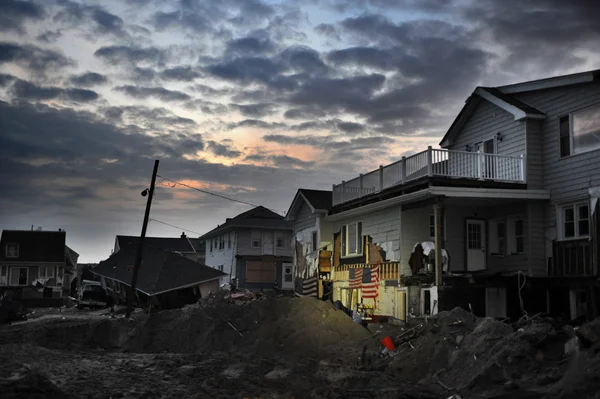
352, 239
580, 131
12, 250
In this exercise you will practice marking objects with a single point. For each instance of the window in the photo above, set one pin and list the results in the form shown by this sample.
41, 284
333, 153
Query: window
580, 132
315, 241
229, 240
19, 275
256, 237
211, 244
432, 227
222, 242
260, 272
352, 239
220, 268
575, 221
279, 243
498, 237
565, 136
256, 243
46, 271
519, 237
12, 250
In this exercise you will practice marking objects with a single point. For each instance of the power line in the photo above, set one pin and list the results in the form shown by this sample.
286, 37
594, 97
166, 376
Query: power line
208, 192
177, 227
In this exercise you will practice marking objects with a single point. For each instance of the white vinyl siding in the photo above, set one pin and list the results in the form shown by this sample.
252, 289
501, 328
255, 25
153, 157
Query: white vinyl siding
580, 131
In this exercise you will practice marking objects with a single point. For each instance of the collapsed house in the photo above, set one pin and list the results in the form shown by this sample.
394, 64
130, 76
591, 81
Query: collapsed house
165, 279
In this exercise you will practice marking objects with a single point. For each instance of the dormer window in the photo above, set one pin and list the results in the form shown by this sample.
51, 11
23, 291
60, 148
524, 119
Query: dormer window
12, 250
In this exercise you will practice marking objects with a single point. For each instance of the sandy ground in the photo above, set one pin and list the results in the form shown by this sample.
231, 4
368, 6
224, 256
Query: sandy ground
286, 348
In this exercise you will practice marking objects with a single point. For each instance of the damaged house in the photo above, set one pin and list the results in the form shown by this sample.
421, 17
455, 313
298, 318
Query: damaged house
166, 279
37, 266
253, 249
191, 248
506, 211
312, 245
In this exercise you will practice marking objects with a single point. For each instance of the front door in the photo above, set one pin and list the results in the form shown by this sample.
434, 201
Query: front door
287, 276
475, 241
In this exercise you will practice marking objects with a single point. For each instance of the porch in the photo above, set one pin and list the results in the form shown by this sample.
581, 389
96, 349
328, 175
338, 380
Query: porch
433, 163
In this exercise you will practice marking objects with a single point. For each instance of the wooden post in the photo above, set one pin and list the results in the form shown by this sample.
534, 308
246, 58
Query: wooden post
429, 161
380, 177
437, 212
523, 168
360, 180
138, 257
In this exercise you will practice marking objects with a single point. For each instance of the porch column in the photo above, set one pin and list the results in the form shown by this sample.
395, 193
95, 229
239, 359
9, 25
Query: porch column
437, 215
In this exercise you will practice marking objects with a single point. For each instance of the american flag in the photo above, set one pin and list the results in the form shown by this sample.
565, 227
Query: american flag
356, 278
371, 283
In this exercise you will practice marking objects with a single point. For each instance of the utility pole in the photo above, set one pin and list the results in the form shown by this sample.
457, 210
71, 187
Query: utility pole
138, 257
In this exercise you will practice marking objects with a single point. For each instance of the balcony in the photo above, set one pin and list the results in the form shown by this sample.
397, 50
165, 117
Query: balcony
430, 163
387, 271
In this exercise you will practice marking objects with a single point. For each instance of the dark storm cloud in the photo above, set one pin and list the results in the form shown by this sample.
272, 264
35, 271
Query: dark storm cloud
350, 127
287, 161
255, 110
132, 54
143, 74
151, 118
207, 107
305, 112
13, 14
303, 59
195, 22
209, 91
88, 79
364, 56
49, 36
29, 91
327, 30
223, 149
256, 123
34, 58
5, 79
153, 92
246, 69
100, 21
249, 46
181, 73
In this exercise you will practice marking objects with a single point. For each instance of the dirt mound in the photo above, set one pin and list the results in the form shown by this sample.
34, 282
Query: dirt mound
290, 326
27, 383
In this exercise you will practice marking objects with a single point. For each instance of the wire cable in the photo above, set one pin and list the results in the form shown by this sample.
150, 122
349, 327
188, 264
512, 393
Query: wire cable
176, 183
177, 227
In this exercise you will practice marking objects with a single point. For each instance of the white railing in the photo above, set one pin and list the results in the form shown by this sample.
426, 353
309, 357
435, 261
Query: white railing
433, 162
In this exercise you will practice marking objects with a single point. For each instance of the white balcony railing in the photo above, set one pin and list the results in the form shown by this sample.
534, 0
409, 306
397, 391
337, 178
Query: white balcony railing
433, 162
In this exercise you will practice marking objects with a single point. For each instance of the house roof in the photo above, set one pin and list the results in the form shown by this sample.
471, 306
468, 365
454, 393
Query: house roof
161, 271
179, 244
317, 200
501, 96
259, 217
36, 246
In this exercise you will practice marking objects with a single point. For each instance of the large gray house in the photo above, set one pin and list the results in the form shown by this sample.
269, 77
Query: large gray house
510, 199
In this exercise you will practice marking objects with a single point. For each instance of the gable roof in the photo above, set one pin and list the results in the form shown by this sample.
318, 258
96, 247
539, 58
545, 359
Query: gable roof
178, 244
259, 217
161, 271
318, 201
36, 246
501, 97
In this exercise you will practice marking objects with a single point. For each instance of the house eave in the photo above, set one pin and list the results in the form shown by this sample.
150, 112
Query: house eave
583, 77
185, 286
517, 113
463, 192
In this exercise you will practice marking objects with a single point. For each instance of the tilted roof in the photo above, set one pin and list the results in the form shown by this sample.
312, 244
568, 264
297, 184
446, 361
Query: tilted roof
160, 271
317, 200
179, 244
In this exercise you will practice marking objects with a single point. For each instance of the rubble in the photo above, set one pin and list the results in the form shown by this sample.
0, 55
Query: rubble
263, 346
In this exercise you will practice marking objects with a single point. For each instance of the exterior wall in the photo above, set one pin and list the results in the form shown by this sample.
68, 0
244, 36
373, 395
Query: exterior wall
531, 261
225, 257
305, 219
383, 226
244, 241
487, 120
29, 291
415, 229
241, 272
209, 287
535, 159
568, 178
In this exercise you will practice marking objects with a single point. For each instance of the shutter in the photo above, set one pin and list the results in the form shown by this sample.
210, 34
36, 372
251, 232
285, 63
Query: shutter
344, 233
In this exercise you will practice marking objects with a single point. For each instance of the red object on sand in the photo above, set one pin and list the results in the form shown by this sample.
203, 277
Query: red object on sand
388, 343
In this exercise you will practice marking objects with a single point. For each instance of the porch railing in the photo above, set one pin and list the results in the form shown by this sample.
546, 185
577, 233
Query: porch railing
433, 162
387, 271
572, 259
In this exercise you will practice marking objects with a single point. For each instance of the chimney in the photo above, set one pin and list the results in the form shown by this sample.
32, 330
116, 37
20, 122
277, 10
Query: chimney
31, 227
183, 235
59, 230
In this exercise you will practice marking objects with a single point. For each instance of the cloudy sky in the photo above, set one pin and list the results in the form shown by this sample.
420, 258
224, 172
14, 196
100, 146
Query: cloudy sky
249, 99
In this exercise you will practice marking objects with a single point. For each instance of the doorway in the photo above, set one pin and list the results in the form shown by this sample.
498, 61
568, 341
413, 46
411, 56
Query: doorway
487, 169
475, 244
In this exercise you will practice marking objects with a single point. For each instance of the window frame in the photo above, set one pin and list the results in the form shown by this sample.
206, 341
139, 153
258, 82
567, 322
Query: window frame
495, 249
46, 275
277, 238
314, 240
432, 227
570, 117
18, 273
9, 245
575, 205
359, 240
